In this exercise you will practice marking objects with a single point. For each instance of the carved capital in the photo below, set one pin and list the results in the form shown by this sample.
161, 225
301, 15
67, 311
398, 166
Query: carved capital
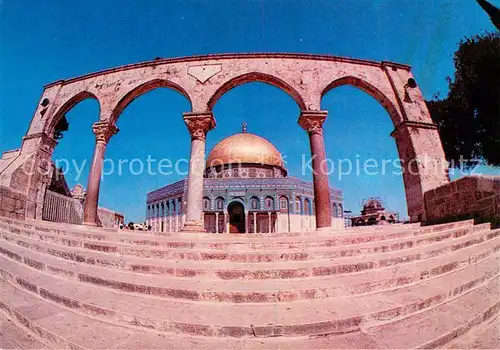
312, 121
199, 124
103, 131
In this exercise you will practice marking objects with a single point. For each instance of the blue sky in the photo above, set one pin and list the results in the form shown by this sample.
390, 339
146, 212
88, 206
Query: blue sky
43, 41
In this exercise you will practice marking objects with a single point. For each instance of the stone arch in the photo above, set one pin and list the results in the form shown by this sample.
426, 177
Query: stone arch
219, 203
269, 203
284, 203
370, 90
256, 77
307, 207
67, 106
298, 205
254, 200
140, 90
306, 78
371, 221
335, 210
206, 203
236, 200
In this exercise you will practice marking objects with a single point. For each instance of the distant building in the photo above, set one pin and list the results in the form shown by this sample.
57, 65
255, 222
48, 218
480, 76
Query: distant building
374, 213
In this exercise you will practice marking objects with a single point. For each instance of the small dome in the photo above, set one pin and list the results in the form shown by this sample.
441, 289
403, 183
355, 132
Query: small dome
245, 148
372, 203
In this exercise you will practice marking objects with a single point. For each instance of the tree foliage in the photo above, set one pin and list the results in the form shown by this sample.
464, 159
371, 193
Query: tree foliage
469, 117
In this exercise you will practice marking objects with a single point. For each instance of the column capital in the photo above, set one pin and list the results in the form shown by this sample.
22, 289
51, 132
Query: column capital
103, 131
312, 121
199, 124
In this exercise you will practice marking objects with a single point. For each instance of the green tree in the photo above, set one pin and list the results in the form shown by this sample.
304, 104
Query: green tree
469, 117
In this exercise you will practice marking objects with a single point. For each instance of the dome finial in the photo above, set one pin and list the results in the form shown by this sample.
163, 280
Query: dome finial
244, 127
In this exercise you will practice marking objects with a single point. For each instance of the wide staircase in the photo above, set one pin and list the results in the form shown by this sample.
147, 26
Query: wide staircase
399, 286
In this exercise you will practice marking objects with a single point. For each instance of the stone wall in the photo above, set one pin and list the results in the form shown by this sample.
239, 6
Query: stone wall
107, 218
12, 203
469, 197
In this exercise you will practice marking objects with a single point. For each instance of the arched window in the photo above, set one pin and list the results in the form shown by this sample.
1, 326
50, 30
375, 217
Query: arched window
341, 211
307, 206
254, 203
283, 203
298, 206
220, 203
206, 203
269, 203
335, 210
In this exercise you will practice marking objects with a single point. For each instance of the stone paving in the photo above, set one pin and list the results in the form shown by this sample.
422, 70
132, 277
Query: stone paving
400, 286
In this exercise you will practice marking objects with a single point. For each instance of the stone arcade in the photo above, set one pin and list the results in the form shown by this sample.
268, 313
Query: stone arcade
203, 80
245, 190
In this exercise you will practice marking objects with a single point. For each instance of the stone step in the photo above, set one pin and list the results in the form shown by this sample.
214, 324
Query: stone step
228, 270
58, 226
242, 291
12, 336
329, 316
437, 326
63, 328
485, 335
249, 256
293, 253
277, 254
241, 241
58, 325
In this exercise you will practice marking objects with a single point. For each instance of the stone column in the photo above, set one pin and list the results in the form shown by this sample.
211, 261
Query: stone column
277, 222
246, 221
423, 163
103, 131
254, 222
198, 125
269, 223
216, 222
312, 122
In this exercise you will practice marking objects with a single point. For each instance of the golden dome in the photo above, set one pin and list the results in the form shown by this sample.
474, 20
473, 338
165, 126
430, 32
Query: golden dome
245, 148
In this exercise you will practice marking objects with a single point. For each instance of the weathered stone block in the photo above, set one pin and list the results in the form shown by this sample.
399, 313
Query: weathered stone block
467, 183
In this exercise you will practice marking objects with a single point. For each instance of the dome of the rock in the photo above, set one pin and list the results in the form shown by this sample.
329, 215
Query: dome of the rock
247, 151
